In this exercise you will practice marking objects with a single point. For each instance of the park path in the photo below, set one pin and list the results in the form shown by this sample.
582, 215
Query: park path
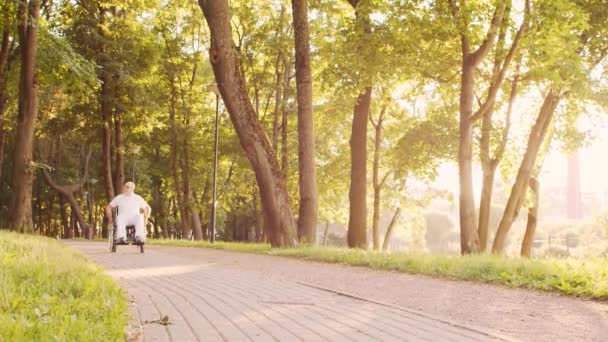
211, 295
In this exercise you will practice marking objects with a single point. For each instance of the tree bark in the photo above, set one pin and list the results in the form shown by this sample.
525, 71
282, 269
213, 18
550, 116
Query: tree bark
277, 103
196, 224
278, 87
357, 219
284, 121
389, 229
187, 192
534, 185
307, 216
23, 173
74, 224
106, 110
325, 233
469, 240
535, 140
4, 69
64, 218
527, 243
257, 146
377, 184
259, 221
174, 156
119, 161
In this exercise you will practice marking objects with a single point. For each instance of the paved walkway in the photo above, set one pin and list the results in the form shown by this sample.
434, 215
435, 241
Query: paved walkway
212, 301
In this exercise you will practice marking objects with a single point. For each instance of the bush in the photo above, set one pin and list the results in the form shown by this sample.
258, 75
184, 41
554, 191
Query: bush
52, 293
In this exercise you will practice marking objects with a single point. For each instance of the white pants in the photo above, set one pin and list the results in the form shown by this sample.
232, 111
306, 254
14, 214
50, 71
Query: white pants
124, 220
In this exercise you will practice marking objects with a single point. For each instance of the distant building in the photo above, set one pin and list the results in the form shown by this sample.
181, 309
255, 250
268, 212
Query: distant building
574, 208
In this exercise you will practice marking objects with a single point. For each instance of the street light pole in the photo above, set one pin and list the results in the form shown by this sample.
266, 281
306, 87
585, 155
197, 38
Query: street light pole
214, 208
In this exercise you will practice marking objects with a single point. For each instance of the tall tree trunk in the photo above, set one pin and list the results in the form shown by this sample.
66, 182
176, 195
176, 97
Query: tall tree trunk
485, 206
91, 214
257, 146
284, 120
535, 141
325, 233
106, 110
49, 217
4, 69
64, 218
187, 193
377, 184
389, 229
357, 219
37, 199
259, 221
527, 243
534, 185
174, 156
23, 174
489, 164
119, 164
277, 101
307, 216
469, 240
73, 225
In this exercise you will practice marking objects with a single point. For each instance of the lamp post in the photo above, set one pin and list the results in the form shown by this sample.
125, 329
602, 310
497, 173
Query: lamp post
213, 88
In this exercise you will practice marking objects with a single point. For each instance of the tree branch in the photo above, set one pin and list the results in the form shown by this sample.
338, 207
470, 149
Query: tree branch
498, 80
384, 179
486, 46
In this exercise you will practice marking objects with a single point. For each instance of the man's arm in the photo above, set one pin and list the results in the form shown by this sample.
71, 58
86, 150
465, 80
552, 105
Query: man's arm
147, 209
113, 203
109, 213
147, 212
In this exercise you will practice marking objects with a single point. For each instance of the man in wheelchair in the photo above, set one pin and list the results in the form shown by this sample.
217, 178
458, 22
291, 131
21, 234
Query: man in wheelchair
129, 206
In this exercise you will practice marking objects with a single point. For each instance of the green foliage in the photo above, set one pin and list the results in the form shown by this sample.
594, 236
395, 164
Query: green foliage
155, 53
52, 293
586, 278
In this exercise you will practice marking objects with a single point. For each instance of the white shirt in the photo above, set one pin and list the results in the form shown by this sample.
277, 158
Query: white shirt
128, 204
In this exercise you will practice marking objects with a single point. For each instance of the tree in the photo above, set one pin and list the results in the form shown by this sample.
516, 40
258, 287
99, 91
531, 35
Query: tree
377, 183
567, 80
68, 190
503, 57
255, 143
28, 13
307, 217
357, 218
7, 58
469, 239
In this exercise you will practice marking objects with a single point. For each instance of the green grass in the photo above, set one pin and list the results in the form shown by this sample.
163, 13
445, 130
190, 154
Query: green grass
49, 292
585, 278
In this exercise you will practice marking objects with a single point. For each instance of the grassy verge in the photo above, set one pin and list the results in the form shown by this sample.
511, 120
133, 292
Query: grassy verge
52, 293
586, 278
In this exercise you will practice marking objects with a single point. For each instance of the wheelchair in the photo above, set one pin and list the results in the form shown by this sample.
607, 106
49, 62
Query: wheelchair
130, 240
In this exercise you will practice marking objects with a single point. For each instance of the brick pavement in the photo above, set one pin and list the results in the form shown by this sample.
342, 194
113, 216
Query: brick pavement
208, 301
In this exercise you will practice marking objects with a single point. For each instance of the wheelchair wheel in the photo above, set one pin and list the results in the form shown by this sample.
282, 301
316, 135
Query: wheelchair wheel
112, 239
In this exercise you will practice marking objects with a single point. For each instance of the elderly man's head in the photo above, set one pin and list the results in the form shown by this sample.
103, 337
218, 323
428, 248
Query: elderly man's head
129, 188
